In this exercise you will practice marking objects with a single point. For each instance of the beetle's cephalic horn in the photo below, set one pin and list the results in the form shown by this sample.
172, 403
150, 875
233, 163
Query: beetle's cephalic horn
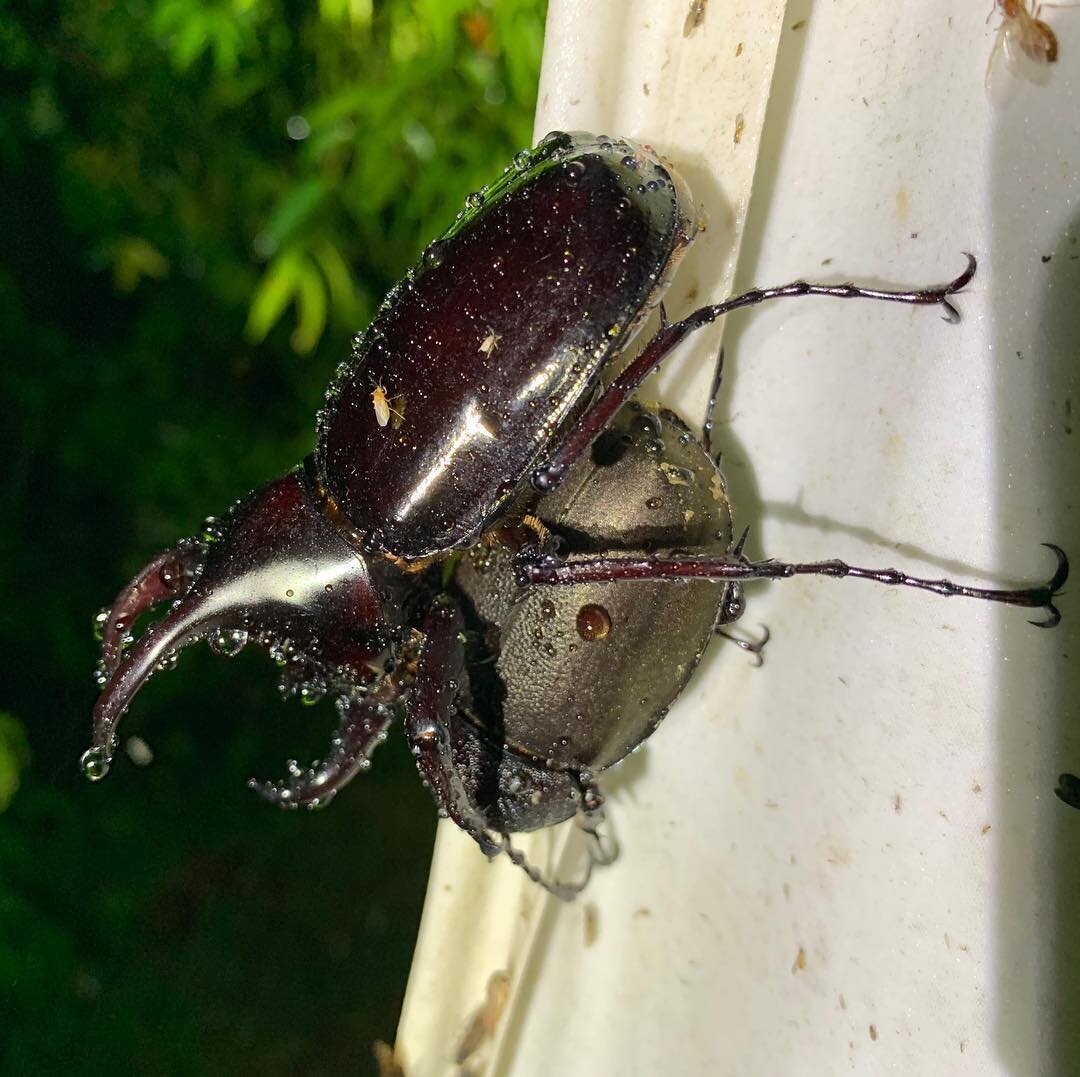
276, 571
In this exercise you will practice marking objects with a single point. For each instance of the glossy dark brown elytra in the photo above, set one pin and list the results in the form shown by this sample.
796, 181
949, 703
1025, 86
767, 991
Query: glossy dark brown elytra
471, 455
556, 264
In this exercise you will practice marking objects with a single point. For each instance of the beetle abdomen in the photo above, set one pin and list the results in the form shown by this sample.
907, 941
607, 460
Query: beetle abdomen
579, 676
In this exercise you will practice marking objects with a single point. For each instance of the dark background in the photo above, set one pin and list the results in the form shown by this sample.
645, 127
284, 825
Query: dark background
201, 200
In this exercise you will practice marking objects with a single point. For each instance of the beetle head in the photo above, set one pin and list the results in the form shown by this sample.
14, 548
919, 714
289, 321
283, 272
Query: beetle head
275, 571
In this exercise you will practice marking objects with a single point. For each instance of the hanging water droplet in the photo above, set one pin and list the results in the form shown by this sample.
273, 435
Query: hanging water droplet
312, 692
95, 763
211, 529
101, 618
228, 642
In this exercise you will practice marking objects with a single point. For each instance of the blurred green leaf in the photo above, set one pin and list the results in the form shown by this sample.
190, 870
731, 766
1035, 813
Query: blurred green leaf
173, 236
14, 756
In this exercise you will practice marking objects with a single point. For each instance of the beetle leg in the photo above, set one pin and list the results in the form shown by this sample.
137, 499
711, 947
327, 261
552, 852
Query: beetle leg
754, 647
600, 413
533, 568
710, 407
440, 669
604, 849
364, 719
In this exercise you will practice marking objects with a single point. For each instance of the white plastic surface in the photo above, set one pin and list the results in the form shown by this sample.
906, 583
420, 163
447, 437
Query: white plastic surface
850, 860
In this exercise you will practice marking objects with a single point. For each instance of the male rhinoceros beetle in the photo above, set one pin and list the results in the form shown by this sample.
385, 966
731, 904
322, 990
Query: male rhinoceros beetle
405, 567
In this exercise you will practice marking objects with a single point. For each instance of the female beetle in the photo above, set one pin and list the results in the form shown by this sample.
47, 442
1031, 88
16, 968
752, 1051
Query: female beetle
352, 569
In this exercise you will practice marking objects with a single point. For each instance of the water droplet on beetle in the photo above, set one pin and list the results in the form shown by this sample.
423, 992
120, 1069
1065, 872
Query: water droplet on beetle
434, 253
593, 622
547, 608
654, 503
630, 161
95, 763
228, 642
574, 171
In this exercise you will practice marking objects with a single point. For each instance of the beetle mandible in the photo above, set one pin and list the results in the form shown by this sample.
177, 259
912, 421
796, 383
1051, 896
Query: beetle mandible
352, 569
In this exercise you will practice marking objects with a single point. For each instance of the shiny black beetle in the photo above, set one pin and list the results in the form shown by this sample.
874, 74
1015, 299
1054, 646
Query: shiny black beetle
469, 456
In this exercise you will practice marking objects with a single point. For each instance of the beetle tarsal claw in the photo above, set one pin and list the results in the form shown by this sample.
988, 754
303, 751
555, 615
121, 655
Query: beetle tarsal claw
1045, 595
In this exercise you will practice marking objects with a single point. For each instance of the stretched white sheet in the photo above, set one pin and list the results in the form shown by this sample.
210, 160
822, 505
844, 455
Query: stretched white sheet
851, 859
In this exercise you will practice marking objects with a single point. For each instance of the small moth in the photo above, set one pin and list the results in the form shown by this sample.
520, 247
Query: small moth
490, 342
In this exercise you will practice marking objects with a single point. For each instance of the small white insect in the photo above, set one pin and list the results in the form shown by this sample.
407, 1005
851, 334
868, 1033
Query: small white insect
383, 406
490, 342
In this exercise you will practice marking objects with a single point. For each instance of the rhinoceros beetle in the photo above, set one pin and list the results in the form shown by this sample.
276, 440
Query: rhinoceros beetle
469, 458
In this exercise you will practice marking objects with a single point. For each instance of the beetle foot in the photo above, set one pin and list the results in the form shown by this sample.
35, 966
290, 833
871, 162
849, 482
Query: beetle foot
1045, 595
753, 647
362, 729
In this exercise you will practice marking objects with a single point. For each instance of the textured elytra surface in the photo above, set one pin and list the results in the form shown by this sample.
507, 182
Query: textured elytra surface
558, 689
488, 349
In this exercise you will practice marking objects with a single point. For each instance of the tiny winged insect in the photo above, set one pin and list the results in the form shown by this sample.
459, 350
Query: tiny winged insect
494, 582
1025, 42
384, 407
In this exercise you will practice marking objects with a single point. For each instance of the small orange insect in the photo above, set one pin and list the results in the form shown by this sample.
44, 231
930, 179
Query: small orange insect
1027, 43
383, 405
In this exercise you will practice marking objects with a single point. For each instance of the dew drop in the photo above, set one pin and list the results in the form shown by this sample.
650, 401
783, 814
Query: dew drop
95, 763
574, 171
547, 608
434, 253
593, 622
211, 529
522, 160
228, 642
654, 503
100, 620
474, 200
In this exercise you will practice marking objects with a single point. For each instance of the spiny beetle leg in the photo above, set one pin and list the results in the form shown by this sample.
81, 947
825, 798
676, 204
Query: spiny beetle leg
663, 343
439, 671
547, 568
364, 720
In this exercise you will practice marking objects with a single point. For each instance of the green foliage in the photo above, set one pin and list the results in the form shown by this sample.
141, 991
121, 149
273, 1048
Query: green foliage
14, 756
195, 191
